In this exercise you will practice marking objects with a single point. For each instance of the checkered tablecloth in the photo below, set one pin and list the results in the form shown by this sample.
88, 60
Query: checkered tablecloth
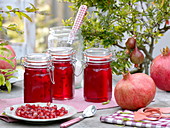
126, 117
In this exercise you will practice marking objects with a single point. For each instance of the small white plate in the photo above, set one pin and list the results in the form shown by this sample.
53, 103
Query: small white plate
71, 111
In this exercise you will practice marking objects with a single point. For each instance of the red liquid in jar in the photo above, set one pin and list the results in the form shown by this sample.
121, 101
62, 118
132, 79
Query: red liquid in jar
64, 80
37, 85
97, 82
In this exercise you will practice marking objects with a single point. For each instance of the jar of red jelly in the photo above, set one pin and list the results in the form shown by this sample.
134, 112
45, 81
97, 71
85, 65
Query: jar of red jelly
63, 62
58, 37
37, 78
97, 75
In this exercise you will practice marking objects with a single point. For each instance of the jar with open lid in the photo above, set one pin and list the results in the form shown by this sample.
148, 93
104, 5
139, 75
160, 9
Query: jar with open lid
38, 77
58, 37
63, 61
97, 75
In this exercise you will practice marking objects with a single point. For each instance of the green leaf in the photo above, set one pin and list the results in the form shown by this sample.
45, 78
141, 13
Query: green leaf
3, 42
9, 7
7, 60
10, 72
13, 27
33, 7
3, 113
19, 15
28, 9
5, 70
12, 58
125, 113
8, 85
5, 52
107, 102
125, 119
26, 16
2, 79
44, 13
9, 77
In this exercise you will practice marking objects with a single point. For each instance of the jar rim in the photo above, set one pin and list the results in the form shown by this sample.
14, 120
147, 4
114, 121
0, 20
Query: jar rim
36, 60
37, 57
61, 51
62, 31
60, 27
97, 53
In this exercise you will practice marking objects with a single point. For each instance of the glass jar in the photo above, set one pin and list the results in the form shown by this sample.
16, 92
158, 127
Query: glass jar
37, 78
58, 37
97, 75
63, 60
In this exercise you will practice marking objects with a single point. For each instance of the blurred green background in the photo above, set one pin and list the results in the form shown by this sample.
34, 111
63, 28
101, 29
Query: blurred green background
56, 12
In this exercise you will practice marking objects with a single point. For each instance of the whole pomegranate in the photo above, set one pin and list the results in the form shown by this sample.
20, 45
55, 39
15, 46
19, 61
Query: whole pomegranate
6, 65
134, 91
160, 70
131, 43
136, 56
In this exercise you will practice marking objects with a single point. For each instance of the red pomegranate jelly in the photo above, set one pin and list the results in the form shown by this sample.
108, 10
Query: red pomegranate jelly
64, 78
63, 73
97, 75
37, 85
37, 78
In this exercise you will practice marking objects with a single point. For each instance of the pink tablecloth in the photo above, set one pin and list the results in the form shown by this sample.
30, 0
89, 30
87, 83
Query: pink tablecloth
78, 102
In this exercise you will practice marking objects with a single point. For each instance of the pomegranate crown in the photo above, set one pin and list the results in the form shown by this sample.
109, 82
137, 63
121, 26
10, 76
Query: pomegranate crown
126, 75
165, 51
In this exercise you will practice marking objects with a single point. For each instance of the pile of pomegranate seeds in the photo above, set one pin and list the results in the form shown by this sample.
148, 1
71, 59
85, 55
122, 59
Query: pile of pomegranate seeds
39, 112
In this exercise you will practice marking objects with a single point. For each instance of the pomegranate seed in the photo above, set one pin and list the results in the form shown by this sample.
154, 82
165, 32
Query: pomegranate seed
47, 113
52, 116
42, 117
55, 116
38, 112
62, 114
48, 104
11, 108
41, 114
54, 107
27, 105
62, 109
66, 111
